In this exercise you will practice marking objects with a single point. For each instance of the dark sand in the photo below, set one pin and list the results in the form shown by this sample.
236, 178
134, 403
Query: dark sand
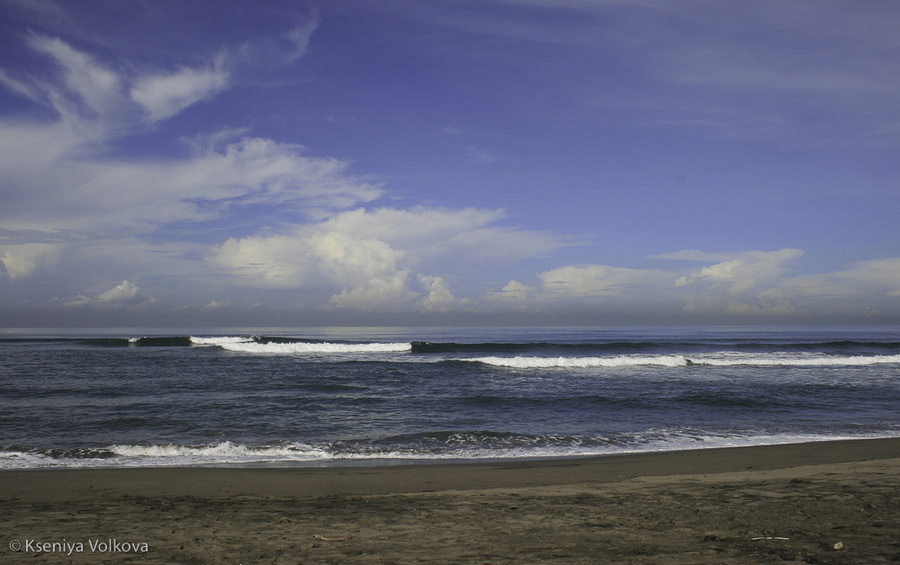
773, 504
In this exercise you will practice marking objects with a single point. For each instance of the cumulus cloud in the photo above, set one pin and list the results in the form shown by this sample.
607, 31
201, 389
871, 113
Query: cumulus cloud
514, 296
745, 271
745, 283
760, 283
879, 278
21, 261
370, 255
358, 245
263, 261
125, 294
590, 288
742, 285
392, 293
378, 294
438, 297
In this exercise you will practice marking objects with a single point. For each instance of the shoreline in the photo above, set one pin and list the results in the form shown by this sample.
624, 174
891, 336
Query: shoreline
400, 477
720, 505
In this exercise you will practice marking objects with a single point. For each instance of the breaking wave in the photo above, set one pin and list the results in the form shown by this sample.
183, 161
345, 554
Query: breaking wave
582, 362
428, 446
723, 359
288, 346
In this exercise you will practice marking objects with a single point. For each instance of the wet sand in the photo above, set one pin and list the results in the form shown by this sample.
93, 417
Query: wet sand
829, 502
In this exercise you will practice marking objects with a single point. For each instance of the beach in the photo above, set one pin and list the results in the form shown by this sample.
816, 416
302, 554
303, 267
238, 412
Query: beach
827, 502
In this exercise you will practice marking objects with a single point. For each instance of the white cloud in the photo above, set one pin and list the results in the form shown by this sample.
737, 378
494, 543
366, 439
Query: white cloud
757, 283
738, 283
346, 260
60, 175
125, 294
29, 150
356, 245
282, 49
744, 272
369, 255
165, 95
310, 252
878, 278
513, 296
100, 102
21, 261
378, 295
513, 291
101, 194
263, 261
438, 297
98, 88
300, 36
216, 305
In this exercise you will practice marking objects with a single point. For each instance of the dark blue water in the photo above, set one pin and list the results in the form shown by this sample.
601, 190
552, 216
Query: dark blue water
341, 395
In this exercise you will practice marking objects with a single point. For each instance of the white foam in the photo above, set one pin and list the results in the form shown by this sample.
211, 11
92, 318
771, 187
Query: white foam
722, 359
225, 451
582, 362
218, 340
793, 360
249, 345
229, 453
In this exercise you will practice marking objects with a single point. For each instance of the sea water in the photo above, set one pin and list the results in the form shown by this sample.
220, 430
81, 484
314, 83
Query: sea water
342, 396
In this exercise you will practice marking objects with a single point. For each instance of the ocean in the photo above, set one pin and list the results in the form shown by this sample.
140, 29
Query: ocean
370, 396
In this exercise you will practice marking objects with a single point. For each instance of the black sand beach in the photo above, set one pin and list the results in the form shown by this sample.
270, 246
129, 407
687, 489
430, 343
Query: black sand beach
829, 502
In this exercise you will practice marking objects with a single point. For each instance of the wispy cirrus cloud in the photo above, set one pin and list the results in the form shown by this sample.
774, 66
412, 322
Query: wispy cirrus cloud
280, 49
164, 95
61, 175
142, 196
99, 102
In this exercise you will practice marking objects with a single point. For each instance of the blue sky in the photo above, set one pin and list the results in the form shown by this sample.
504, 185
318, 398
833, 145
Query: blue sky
429, 162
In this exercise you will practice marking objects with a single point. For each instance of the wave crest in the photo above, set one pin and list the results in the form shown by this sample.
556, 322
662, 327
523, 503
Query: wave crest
582, 362
257, 345
722, 359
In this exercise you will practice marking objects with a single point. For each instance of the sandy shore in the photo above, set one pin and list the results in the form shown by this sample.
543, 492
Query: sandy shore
772, 504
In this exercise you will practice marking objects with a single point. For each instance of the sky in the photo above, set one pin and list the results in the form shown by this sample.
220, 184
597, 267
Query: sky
383, 162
